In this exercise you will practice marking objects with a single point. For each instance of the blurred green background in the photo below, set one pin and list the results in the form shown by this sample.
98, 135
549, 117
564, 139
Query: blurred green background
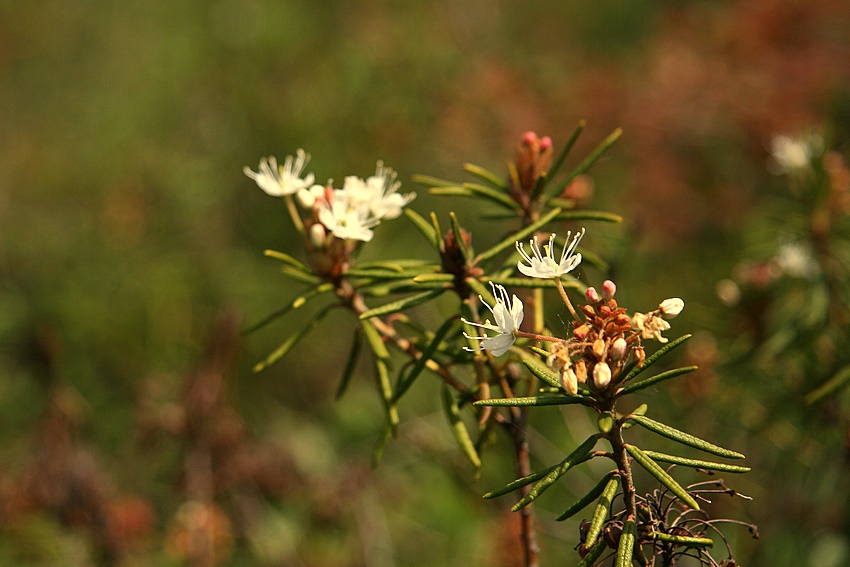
130, 241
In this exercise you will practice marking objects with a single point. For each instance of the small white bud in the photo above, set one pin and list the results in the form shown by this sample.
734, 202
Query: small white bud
317, 235
569, 380
618, 349
601, 375
671, 307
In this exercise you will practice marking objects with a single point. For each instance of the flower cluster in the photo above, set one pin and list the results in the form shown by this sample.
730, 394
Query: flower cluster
349, 213
601, 346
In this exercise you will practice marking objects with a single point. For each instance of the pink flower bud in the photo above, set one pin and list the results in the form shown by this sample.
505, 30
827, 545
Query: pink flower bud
609, 288
545, 143
591, 295
528, 138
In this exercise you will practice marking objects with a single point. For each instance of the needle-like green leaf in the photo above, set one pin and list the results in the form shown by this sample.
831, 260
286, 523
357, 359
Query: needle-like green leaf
585, 500
519, 235
579, 455
600, 512
532, 401
459, 429
292, 305
684, 438
650, 360
631, 388
287, 345
662, 476
402, 304
694, 463
406, 380
485, 175
626, 547
424, 227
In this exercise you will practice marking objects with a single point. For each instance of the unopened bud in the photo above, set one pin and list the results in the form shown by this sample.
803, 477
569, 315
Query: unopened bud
598, 348
581, 371
671, 307
601, 375
317, 235
609, 288
581, 331
618, 349
569, 381
591, 295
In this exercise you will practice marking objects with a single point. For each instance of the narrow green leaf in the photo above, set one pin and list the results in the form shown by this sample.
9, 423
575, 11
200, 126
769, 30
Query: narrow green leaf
485, 175
687, 541
383, 377
589, 161
579, 455
453, 191
424, 227
434, 278
600, 512
541, 371
650, 360
465, 251
519, 235
459, 428
566, 204
559, 161
294, 304
834, 384
532, 401
583, 214
662, 476
585, 500
300, 276
520, 482
374, 338
498, 214
288, 260
626, 547
684, 438
402, 304
631, 388
428, 181
407, 380
350, 365
481, 290
287, 345
435, 224
694, 463
493, 195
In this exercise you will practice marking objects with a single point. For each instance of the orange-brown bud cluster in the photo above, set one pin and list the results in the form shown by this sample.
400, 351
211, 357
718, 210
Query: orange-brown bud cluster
533, 157
600, 347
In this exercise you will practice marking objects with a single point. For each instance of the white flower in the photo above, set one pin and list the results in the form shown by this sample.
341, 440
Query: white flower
385, 200
795, 259
669, 308
279, 181
540, 266
650, 325
508, 315
793, 154
345, 221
